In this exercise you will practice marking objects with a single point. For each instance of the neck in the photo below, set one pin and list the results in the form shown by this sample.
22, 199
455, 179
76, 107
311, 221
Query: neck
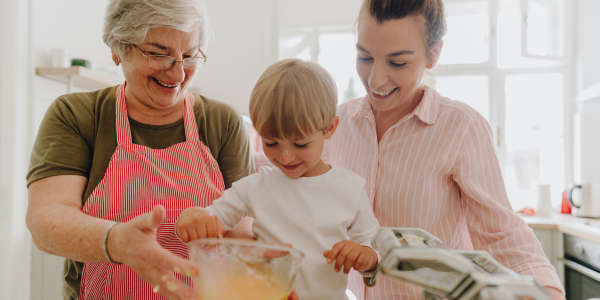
386, 119
150, 115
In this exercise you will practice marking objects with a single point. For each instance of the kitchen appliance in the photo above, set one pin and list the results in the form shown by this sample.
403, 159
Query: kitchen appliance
588, 204
419, 258
243, 270
582, 268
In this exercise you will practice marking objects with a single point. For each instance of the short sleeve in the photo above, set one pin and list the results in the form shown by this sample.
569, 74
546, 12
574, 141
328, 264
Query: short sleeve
60, 147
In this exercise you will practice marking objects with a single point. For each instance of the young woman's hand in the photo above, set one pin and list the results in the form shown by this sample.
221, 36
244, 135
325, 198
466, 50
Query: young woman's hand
198, 223
351, 255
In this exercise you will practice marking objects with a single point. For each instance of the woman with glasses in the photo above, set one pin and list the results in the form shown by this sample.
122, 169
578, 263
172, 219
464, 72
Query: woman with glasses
112, 169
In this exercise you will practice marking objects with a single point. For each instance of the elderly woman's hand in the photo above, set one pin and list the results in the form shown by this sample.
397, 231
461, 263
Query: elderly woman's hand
134, 244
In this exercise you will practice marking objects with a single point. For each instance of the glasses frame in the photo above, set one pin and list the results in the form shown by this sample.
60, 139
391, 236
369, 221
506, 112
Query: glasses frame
173, 59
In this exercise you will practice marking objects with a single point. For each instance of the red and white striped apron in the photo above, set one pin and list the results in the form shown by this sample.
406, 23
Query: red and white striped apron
139, 178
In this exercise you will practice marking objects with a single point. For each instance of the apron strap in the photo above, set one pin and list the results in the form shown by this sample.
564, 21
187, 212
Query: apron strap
124, 130
189, 118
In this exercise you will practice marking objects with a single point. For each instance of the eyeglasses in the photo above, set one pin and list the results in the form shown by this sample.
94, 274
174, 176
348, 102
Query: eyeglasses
164, 62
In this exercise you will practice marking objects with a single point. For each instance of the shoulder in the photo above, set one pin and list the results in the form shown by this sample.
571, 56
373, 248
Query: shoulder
84, 104
215, 111
341, 174
458, 109
349, 107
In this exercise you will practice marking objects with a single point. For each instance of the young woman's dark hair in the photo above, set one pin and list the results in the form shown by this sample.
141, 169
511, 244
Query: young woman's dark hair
431, 10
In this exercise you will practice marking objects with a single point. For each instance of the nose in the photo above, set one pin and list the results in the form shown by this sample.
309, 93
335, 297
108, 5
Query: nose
286, 157
176, 72
378, 76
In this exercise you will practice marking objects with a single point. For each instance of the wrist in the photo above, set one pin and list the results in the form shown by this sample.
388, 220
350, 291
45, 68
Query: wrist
108, 244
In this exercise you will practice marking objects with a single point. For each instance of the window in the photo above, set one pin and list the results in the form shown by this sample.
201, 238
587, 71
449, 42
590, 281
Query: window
512, 56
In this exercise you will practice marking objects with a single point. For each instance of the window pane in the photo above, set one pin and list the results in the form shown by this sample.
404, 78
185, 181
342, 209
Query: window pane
534, 142
476, 95
467, 40
337, 54
509, 39
545, 24
294, 46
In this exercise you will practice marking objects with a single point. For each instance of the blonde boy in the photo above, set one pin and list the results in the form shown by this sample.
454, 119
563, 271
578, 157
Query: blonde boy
321, 210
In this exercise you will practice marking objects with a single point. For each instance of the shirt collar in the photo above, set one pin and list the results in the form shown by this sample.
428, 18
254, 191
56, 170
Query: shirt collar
426, 111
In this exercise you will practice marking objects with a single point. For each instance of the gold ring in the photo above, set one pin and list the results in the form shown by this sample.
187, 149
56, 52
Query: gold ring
156, 288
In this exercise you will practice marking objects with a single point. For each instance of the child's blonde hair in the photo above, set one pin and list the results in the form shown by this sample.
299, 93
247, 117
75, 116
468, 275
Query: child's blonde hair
292, 100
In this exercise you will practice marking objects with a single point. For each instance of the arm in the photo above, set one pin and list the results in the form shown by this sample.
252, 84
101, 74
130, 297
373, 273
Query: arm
59, 227
493, 225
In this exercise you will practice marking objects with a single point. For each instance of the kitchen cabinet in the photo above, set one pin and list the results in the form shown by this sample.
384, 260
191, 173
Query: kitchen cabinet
552, 244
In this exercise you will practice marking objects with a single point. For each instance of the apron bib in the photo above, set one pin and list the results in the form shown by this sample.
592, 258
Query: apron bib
137, 179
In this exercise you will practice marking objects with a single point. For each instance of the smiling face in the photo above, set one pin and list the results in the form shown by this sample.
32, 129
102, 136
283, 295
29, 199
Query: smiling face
391, 60
160, 89
299, 158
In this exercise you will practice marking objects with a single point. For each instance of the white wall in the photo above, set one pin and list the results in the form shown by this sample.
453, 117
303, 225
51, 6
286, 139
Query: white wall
240, 51
15, 241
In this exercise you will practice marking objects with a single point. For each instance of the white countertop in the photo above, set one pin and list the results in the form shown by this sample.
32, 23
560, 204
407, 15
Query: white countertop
585, 228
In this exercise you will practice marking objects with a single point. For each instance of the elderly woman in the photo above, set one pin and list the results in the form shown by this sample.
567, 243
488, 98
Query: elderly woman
112, 169
429, 161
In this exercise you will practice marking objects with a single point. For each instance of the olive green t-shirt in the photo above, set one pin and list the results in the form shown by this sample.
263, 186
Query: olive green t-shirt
78, 136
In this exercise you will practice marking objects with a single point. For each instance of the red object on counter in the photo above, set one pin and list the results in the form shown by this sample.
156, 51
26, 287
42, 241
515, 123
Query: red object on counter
565, 207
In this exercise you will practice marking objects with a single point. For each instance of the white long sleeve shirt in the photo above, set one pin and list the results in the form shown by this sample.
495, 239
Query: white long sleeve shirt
311, 213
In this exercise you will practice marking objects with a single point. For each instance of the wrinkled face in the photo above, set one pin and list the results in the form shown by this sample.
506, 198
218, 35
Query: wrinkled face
299, 158
391, 60
155, 88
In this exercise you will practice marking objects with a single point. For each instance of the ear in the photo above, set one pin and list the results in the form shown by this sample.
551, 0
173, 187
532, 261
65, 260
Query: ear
115, 56
436, 55
331, 128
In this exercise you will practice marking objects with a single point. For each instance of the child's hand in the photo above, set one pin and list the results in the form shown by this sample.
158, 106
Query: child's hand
351, 255
198, 223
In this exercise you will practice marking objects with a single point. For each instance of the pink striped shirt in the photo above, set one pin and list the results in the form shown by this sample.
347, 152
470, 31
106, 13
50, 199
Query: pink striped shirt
436, 169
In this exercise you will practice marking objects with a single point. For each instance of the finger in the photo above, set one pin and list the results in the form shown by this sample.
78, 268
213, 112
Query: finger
333, 253
172, 288
351, 261
341, 258
294, 295
289, 245
211, 227
183, 235
220, 228
200, 231
192, 234
326, 253
150, 221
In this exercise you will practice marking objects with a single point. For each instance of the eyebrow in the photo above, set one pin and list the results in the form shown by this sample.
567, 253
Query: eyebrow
162, 47
403, 52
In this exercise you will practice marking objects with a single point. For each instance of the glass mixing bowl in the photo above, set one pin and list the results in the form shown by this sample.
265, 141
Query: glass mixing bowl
232, 269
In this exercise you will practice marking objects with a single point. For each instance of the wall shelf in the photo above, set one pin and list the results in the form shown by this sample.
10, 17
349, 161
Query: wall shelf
79, 76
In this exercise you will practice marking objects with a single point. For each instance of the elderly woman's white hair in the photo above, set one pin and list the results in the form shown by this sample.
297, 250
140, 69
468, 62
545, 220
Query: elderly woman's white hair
127, 21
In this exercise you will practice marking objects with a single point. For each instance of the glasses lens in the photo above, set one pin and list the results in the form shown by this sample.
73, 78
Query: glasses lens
160, 62
193, 63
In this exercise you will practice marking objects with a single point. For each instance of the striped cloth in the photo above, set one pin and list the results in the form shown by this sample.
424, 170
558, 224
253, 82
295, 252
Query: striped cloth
139, 178
436, 169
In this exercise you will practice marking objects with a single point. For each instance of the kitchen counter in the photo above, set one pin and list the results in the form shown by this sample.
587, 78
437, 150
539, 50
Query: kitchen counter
585, 228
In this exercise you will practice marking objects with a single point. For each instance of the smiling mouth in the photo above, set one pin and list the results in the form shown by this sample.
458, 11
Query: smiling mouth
383, 94
164, 84
290, 168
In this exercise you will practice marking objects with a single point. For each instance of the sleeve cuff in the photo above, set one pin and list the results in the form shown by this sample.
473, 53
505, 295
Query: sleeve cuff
367, 243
